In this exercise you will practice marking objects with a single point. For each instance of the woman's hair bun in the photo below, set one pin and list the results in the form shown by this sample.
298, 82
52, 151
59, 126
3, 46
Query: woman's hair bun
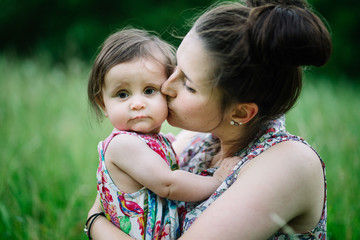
287, 33
258, 3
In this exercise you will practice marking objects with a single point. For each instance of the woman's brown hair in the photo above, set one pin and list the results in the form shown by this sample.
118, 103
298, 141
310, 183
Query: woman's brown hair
258, 50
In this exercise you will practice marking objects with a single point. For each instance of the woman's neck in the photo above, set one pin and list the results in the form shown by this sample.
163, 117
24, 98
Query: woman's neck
220, 155
227, 136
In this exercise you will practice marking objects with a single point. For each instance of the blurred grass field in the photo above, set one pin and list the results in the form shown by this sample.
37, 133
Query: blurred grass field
49, 157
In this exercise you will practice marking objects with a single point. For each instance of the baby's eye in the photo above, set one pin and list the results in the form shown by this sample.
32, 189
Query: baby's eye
123, 94
149, 91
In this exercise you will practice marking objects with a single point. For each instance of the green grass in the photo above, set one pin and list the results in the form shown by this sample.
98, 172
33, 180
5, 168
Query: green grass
49, 157
328, 116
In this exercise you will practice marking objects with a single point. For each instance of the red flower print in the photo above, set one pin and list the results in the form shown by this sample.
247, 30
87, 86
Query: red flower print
156, 147
107, 194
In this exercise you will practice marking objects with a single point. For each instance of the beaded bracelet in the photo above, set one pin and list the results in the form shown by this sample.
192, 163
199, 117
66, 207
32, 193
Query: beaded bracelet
92, 218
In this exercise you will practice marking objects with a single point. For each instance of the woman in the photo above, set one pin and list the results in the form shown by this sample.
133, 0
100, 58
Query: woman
238, 73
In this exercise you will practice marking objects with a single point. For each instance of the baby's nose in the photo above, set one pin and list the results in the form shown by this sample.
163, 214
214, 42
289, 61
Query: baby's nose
137, 103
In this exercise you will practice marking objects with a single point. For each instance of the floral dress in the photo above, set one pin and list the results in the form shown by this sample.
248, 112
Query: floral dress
142, 214
197, 157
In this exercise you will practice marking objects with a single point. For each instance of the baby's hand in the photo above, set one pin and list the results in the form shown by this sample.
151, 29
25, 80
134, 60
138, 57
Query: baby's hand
225, 168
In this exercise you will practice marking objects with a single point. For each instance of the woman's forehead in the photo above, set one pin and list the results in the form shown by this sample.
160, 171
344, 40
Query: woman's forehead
193, 60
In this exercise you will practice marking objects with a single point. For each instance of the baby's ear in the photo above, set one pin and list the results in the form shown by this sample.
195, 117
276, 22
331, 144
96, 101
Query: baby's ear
101, 104
244, 112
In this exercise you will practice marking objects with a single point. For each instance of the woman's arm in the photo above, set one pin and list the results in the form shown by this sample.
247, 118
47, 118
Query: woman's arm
282, 185
133, 157
103, 228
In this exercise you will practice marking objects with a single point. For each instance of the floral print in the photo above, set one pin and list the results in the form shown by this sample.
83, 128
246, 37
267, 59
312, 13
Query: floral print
142, 214
197, 158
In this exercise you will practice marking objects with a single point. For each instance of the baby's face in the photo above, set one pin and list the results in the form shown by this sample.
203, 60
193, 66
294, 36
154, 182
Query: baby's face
132, 97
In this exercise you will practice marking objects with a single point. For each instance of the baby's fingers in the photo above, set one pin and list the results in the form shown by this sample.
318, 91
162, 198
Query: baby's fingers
226, 167
229, 163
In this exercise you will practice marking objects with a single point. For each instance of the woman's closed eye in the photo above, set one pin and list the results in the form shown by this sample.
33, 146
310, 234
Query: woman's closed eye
189, 88
182, 76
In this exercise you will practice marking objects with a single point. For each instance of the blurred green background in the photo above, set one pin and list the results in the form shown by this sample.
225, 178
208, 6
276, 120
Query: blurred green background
69, 28
48, 156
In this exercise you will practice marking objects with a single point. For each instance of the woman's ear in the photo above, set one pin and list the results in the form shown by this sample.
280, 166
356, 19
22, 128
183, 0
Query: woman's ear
244, 112
100, 102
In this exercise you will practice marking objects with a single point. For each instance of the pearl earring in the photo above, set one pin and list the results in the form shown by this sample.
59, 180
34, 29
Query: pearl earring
232, 122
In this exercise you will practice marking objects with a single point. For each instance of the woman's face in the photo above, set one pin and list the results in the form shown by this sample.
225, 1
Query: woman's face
194, 104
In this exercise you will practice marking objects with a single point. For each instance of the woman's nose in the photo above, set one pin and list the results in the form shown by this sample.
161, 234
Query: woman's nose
169, 86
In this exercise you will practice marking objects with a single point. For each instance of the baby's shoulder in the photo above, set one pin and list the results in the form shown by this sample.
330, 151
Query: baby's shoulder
125, 141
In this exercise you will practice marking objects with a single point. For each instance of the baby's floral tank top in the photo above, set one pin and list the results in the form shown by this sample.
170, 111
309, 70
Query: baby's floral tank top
197, 157
142, 214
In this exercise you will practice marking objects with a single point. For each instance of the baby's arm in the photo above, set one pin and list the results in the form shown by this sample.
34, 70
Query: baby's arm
133, 156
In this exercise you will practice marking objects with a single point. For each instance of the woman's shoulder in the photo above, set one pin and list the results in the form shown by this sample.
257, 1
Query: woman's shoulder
184, 140
201, 142
296, 170
196, 151
275, 140
289, 178
291, 157
293, 154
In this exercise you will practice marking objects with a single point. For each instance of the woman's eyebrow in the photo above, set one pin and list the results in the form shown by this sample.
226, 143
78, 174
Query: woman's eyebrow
186, 77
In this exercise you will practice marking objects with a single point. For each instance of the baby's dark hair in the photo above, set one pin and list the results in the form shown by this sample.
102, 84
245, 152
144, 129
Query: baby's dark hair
126, 45
258, 49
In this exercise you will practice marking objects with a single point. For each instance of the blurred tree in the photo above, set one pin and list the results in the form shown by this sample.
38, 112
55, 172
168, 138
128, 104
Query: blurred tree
67, 28
77, 27
344, 26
